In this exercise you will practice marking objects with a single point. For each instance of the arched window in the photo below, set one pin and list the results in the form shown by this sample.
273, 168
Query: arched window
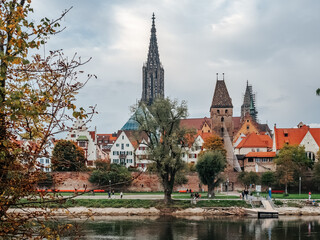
222, 119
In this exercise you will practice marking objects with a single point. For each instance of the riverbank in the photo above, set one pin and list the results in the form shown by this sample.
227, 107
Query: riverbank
196, 211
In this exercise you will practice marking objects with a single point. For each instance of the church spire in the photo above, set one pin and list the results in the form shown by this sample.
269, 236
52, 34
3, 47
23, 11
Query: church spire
153, 54
153, 73
248, 105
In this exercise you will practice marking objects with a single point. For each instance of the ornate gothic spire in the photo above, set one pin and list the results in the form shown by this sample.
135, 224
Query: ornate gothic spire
248, 105
153, 73
153, 54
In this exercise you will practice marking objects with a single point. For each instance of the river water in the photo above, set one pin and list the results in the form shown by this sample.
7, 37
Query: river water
201, 228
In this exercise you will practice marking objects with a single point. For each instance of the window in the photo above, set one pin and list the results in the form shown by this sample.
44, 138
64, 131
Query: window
247, 120
82, 144
286, 134
41, 161
218, 111
311, 155
117, 145
183, 154
73, 135
248, 127
47, 161
258, 159
114, 153
122, 137
122, 146
222, 119
258, 150
115, 160
250, 159
226, 111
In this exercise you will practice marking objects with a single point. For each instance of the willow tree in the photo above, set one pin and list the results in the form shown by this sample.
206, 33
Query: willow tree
35, 95
161, 123
209, 166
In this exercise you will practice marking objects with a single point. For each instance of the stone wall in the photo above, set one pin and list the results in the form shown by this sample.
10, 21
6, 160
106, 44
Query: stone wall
145, 182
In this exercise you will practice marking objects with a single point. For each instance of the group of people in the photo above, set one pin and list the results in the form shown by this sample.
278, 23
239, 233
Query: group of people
244, 194
195, 196
111, 194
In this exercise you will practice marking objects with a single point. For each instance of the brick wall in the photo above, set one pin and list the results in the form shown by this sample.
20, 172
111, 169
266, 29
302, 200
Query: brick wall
146, 182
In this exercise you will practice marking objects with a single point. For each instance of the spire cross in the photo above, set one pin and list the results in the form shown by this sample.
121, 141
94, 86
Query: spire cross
153, 18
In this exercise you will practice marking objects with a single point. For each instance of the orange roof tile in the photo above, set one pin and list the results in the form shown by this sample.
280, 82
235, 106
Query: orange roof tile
196, 123
292, 136
315, 132
261, 154
254, 140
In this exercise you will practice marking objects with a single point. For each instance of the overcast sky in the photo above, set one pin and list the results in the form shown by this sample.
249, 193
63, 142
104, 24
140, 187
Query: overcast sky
273, 44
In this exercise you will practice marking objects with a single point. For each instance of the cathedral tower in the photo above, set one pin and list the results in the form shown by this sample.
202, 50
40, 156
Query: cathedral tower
152, 71
221, 110
249, 105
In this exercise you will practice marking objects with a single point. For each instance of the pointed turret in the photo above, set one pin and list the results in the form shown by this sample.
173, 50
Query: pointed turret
153, 73
221, 98
248, 105
221, 110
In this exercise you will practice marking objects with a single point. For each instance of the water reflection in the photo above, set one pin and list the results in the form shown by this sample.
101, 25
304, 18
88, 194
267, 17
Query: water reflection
202, 228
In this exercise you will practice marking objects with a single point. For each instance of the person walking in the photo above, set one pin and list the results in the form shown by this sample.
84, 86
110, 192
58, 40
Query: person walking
309, 196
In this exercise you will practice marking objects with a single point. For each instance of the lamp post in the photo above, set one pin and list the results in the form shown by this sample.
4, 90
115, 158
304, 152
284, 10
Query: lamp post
110, 186
227, 186
299, 185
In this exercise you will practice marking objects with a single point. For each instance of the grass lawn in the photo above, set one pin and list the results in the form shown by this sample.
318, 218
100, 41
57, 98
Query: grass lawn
291, 196
136, 203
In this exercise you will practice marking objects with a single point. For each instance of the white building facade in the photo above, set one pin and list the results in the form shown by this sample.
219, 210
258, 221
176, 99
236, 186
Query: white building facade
123, 152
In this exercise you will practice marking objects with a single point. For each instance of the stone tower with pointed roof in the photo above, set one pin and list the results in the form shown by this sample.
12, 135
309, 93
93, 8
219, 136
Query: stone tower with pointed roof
221, 110
152, 71
249, 105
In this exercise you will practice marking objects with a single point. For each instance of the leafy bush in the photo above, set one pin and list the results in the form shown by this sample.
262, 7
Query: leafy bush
118, 175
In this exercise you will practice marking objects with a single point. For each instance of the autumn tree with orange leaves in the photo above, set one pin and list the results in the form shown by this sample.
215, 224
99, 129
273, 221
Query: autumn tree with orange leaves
214, 142
36, 94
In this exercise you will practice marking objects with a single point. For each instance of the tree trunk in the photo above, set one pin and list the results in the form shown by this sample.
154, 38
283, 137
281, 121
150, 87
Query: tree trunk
168, 187
286, 189
210, 190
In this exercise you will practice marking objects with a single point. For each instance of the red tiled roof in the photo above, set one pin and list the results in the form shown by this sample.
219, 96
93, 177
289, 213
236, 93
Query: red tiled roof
315, 132
193, 122
261, 154
292, 136
254, 140
109, 137
93, 135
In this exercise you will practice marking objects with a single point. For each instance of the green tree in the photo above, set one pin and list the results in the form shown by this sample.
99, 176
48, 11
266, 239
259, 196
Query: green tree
209, 166
292, 163
117, 176
34, 96
214, 142
161, 123
267, 179
247, 178
67, 156
318, 92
